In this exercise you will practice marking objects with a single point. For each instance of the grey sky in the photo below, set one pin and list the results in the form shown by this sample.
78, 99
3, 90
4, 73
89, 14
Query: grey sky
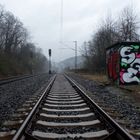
80, 19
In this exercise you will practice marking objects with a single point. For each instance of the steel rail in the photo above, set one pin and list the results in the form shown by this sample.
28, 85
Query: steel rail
22, 128
12, 79
119, 130
16, 78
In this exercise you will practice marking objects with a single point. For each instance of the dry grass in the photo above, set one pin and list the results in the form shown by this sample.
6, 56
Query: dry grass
133, 91
102, 78
135, 88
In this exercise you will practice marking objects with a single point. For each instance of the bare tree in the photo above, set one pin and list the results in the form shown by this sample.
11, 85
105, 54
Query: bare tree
17, 53
1, 28
128, 25
105, 36
110, 32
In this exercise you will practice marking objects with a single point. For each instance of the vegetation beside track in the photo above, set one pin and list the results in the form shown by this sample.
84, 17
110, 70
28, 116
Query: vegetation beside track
18, 54
101, 78
132, 91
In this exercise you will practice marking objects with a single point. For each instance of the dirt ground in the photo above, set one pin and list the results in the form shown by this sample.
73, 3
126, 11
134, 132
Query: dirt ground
130, 91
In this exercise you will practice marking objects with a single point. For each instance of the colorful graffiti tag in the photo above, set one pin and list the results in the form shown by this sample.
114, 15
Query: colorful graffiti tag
130, 65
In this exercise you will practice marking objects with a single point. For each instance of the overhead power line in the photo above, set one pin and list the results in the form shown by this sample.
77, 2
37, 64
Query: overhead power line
61, 22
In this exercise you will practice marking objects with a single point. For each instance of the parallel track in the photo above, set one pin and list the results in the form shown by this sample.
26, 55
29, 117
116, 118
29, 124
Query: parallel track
64, 111
15, 78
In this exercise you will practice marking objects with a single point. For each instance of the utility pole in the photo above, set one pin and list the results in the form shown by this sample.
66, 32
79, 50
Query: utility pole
50, 61
61, 22
75, 56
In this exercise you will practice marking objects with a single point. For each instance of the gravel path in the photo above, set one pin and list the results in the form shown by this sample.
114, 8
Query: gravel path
14, 94
114, 98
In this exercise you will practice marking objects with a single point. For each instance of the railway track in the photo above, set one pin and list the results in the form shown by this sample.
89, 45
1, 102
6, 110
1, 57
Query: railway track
16, 78
64, 111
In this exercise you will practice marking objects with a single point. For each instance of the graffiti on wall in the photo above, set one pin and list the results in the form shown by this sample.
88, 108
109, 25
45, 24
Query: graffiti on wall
130, 65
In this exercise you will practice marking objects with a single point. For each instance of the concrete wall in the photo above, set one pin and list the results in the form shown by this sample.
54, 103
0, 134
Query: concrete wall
123, 63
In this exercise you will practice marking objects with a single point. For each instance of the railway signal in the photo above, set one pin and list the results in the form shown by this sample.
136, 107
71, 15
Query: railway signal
50, 53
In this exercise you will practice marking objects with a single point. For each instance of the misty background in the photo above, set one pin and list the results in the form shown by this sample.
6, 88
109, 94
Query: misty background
81, 19
56, 24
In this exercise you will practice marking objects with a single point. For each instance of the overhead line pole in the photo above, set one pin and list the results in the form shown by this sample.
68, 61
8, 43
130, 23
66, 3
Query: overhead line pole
75, 56
61, 22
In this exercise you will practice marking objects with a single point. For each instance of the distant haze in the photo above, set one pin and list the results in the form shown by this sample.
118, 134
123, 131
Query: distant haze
69, 63
80, 19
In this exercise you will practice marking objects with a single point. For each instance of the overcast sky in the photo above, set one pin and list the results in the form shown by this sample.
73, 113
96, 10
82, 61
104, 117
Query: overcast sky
81, 18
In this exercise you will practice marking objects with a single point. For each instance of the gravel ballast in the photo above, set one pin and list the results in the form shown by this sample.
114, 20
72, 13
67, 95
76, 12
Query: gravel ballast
114, 98
14, 94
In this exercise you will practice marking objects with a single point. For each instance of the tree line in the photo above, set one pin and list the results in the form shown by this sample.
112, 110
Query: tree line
125, 27
18, 55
